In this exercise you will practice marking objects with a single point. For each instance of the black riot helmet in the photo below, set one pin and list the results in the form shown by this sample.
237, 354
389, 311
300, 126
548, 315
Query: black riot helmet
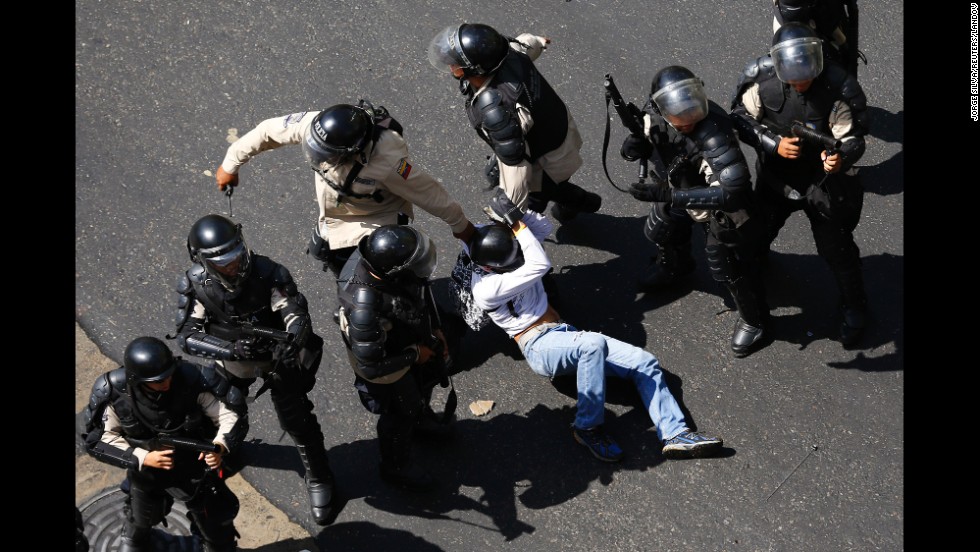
797, 53
337, 134
148, 360
495, 247
796, 11
478, 49
678, 95
396, 249
217, 244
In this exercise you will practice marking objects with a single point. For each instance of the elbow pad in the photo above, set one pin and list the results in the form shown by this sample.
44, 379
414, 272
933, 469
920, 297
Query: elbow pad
502, 127
113, 456
708, 197
367, 338
207, 346
390, 365
754, 134
851, 150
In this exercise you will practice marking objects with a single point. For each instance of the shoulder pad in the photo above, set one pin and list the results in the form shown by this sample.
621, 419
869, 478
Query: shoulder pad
758, 69
366, 296
197, 273
101, 391
489, 98
263, 266
117, 378
710, 137
283, 279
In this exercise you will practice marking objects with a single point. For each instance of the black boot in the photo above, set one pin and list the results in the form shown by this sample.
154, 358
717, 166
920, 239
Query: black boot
751, 317
396, 467
854, 307
571, 199
672, 263
319, 481
409, 476
432, 428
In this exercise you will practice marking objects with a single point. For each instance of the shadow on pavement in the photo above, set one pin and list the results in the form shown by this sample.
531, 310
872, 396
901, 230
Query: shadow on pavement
805, 282
488, 455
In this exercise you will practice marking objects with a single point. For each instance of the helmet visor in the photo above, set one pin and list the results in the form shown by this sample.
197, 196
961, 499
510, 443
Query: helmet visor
229, 268
161, 376
319, 156
444, 50
682, 103
423, 260
798, 60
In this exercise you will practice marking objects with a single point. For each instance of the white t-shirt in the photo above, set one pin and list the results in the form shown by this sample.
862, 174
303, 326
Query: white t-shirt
515, 300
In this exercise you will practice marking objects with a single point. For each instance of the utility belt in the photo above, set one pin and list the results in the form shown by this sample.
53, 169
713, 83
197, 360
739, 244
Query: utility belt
548, 320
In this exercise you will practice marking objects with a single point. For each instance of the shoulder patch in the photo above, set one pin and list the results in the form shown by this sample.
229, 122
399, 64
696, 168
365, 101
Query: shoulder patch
293, 118
404, 168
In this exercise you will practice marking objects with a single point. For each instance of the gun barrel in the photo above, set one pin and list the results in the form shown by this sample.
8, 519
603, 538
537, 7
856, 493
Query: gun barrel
808, 134
186, 443
271, 333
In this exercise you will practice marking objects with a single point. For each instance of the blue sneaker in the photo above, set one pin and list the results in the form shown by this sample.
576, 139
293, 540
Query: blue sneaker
599, 444
689, 444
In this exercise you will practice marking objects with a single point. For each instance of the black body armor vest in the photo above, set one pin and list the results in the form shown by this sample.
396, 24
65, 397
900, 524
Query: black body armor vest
518, 81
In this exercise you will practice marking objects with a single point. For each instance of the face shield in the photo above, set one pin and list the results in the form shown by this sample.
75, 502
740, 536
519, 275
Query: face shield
444, 50
798, 60
422, 262
318, 156
229, 268
682, 103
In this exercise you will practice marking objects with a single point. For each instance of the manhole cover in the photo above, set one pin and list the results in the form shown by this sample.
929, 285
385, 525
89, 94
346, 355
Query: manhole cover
103, 515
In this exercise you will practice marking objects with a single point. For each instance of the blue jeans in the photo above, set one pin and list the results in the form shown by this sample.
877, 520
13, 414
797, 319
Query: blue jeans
591, 357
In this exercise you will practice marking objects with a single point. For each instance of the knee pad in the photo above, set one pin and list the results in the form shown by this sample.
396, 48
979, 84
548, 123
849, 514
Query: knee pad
721, 262
295, 413
318, 247
659, 227
145, 509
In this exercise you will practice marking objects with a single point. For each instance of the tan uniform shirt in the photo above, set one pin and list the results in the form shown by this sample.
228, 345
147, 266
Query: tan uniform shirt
561, 163
222, 417
840, 119
389, 169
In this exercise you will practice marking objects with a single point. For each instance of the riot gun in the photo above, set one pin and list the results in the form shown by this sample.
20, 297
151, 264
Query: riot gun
829, 143
816, 138
188, 444
183, 443
632, 119
269, 333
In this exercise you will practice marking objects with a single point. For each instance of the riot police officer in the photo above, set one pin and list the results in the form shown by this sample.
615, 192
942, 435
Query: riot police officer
794, 91
518, 114
154, 395
390, 323
364, 175
709, 183
835, 21
243, 311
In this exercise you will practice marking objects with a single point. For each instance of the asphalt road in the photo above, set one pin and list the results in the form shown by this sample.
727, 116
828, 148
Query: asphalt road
814, 433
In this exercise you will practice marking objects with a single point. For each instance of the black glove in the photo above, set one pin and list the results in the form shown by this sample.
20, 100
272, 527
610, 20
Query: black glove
245, 348
651, 191
285, 350
636, 148
502, 209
